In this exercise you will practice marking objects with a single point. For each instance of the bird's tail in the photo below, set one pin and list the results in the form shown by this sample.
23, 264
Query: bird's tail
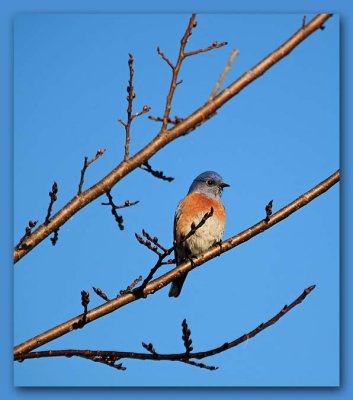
176, 286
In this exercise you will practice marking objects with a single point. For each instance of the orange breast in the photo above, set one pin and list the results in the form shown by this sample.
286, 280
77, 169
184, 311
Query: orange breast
194, 207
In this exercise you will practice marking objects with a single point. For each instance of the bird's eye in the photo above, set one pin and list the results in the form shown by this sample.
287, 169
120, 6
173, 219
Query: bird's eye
210, 182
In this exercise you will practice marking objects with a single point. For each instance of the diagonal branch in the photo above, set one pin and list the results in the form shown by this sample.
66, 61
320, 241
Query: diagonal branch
168, 277
224, 74
110, 357
196, 119
86, 164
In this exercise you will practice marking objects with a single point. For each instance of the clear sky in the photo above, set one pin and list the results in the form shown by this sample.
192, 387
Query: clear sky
275, 140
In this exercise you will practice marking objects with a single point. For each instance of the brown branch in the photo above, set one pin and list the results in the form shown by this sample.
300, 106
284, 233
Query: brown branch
86, 164
224, 73
130, 287
175, 72
165, 58
214, 45
100, 293
174, 121
182, 269
153, 244
176, 68
186, 357
200, 116
130, 99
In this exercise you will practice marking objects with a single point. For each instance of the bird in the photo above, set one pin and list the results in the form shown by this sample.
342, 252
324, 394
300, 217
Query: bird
204, 194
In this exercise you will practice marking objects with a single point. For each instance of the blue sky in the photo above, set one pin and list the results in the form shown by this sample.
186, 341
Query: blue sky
275, 140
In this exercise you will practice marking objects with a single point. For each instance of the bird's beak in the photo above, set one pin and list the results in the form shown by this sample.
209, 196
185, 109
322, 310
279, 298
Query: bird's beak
223, 185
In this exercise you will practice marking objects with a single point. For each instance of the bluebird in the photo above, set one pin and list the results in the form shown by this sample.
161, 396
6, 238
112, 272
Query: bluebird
205, 193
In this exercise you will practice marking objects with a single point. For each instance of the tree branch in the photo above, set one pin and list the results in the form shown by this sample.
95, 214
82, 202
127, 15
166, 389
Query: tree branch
166, 136
224, 73
86, 164
110, 357
168, 277
118, 218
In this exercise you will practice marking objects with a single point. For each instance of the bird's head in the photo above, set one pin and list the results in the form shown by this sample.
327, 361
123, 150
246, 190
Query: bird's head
209, 183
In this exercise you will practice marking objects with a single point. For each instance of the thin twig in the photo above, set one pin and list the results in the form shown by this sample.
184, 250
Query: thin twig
84, 301
165, 58
187, 337
118, 218
223, 75
55, 237
53, 198
130, 287
28, 233
194, 227
174, 121
185, 357
100, 293
86, 164
214, 45
268, 210
158, 174
130, 99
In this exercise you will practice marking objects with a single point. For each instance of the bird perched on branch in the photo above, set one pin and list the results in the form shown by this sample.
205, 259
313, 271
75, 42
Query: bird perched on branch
204, 196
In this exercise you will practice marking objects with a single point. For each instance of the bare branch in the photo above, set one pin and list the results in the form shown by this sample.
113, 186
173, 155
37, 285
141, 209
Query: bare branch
223, 75
130, 287
158, 174
174, 121
86, 164
130, 99
149, 347
165, 58
55, 237
214, 45
186, 337
100, 293
110, 357
28, 232
182, 269
53, 198
84, 301
118, 218
200, 365
175, 71
268, 210
164, 137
